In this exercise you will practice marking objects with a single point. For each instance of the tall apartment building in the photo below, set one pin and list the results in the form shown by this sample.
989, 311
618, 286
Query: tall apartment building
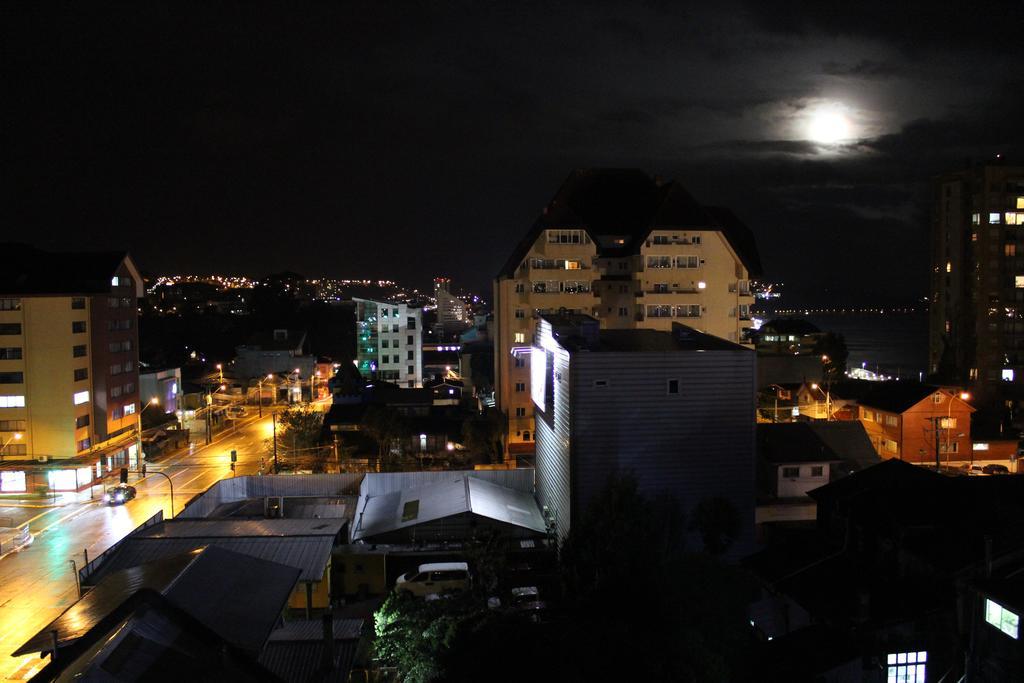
675, 409
633, 252
69, 375
452, 312
976, 325
389, 342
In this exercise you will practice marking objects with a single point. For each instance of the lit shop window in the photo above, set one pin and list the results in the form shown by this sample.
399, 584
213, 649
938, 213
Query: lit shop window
1002, 618
906, 667
84, 475
63, 480
81, 397
12, 481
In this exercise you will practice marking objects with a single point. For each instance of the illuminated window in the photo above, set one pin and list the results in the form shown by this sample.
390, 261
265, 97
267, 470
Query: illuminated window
62, 480
520, 337
892, 420
115, 281
1014, 218
891, 446
993, 218
1002, 618
702, 285
981, 446
1018, 281
129, 408
661, 262
973, 374
975, 218
1010, 249
12, 401
1007, 375
1020, 202
662, 311
953, 447
687, 262
81, 397
949, 266
12, 481
906, 667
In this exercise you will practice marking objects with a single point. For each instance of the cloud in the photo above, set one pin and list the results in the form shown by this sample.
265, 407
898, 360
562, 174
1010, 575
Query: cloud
865, 68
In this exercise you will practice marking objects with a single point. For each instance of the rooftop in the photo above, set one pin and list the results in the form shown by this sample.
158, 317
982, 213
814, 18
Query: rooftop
31, 271
203, 582
628, 204
407, 507
576, 332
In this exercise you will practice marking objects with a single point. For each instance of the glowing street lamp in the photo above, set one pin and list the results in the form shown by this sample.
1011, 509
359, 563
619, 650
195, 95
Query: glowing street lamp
14, 437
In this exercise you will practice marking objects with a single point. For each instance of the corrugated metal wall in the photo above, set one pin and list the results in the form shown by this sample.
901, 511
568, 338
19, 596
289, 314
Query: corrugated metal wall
696, 444
240, 488
554, 477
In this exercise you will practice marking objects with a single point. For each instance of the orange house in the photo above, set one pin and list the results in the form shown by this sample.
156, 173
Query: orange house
917, 423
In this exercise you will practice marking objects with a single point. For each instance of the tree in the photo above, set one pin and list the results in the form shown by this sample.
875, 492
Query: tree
832, 346
718, 523
385, 425
484, 435
299, 431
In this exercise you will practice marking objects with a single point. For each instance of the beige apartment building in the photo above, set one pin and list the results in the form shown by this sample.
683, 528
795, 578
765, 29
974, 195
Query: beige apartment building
69, 376
630, 250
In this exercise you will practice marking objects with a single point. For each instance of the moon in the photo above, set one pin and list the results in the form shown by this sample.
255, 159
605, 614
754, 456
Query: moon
828, 126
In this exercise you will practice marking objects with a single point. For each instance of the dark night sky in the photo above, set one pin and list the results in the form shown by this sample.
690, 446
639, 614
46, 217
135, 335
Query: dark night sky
386, 139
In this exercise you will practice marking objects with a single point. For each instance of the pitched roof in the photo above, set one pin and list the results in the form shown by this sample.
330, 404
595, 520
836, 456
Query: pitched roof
628, 204
32, 271
896, 397
391, 511
793, 442
849, 441
205, 583
301, 543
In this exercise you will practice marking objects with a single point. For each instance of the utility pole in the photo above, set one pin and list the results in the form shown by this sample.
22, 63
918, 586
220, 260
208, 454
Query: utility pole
938, 461
273, 417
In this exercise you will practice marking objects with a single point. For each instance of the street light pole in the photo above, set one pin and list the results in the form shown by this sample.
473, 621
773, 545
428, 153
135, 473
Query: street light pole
273, 417
15, 437
171, 483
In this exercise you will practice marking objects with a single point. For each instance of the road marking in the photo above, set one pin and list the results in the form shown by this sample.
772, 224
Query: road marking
80, 511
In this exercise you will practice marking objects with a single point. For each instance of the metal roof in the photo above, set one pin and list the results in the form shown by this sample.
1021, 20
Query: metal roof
206, 583
242, 528
412, 506
313, 629
310, 554
300, 660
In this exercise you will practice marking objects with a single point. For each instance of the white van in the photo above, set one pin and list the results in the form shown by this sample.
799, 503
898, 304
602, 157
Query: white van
434, 579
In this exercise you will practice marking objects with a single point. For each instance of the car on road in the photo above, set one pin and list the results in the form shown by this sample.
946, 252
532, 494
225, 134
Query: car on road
119, 495
237, 411
434, 579
995, 469
14, 538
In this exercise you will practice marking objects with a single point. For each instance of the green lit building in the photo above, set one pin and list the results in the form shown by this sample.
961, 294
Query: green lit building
389, 342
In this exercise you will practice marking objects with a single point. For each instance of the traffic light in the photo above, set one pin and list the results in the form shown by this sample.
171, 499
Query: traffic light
234, 457
124, 475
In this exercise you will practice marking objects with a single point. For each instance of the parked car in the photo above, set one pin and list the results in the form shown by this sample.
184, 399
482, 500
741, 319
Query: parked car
237, 411
119, 495
995, 469
526, 600
434, 579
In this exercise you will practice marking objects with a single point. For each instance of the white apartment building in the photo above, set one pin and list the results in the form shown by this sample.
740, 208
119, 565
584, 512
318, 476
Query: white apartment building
389, 342
633, 252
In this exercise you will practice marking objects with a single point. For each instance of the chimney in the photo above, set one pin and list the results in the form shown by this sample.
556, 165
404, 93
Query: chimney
327, 654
